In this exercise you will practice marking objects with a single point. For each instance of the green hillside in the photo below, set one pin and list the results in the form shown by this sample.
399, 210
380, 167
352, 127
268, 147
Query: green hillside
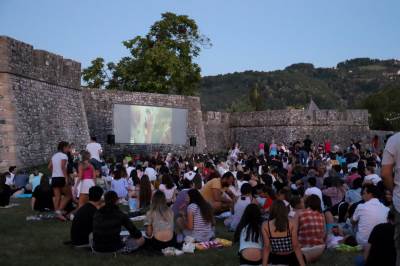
345, 86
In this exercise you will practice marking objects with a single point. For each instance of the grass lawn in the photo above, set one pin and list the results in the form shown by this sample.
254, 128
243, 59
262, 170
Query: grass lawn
40, 243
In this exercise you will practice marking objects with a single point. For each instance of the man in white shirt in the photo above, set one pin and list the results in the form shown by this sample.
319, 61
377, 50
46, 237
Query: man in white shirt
10, 179
151, 172
95, 151
130, 168
313, 190
390, 165
369, 214
371, 177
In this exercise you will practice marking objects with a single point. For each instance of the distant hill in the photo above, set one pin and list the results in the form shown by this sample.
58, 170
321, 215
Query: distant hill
345, 86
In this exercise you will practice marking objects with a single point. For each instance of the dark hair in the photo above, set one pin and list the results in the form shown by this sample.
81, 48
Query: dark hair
93, 138
44, 183
314, 203
251, 219
205, 208
246, 189
279, 212
186, 183
227, 175
95, 193
357, 183
167, 181
110, 198
135, 178
371, 189
62, 145
145, 192
197, 181
312, 181
12, 168
295, 200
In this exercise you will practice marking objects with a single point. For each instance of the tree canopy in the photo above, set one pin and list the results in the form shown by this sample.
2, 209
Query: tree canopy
159, 62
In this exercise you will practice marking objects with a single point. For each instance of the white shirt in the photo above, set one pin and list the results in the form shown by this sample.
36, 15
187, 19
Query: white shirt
10, 179
151, 173
129, 169
94, 149
169, 193
391, 155
368, 215
189, 175
56, 162
374, 178
315, 191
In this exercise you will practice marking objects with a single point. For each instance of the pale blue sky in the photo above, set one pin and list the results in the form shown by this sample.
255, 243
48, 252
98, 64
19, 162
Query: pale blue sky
246, 34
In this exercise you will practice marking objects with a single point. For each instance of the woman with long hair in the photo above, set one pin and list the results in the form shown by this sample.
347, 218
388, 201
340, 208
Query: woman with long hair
281, 245
42, 196
200, 217
59, 178
159, 223
145, 192
87, 175
248, 234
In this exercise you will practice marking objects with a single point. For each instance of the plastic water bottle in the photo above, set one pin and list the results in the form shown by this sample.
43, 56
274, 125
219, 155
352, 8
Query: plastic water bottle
132, 204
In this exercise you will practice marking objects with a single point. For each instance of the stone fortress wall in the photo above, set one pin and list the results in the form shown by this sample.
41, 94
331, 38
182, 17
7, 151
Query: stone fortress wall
42, 103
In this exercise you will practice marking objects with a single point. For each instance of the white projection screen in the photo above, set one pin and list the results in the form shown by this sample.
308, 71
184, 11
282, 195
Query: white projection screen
137, 124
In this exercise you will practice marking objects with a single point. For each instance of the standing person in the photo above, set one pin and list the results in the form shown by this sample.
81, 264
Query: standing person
95, 151
87, 175
281, 245
200, 217
61, 189
390, 165
248, 234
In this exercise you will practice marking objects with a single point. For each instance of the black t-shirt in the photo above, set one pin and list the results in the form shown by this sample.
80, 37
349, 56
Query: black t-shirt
382, 250
307, 144
82, 225
44, 198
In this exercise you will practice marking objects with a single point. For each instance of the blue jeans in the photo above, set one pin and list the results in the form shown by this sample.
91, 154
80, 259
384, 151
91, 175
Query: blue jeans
303, 157
359, 260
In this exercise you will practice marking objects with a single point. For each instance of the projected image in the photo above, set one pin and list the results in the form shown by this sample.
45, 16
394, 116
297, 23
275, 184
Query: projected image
148, 124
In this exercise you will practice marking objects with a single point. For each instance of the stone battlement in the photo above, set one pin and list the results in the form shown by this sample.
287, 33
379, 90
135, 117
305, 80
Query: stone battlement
21, 59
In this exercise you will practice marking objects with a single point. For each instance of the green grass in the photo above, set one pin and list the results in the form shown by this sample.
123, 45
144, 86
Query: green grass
40, 243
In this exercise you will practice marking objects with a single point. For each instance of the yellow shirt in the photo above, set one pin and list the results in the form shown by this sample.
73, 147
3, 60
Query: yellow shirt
206, 191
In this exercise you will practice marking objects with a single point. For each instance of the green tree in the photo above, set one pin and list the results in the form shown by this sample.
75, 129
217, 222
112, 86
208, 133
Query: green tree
255, 98
384, 108
160, 62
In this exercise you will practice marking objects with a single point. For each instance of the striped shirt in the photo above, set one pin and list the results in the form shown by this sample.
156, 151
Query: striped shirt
202, 230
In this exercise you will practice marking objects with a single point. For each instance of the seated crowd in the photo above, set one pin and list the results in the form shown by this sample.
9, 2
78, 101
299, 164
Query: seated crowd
285, 205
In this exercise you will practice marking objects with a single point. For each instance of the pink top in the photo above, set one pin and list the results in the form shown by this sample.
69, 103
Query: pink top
261, 146
88, 172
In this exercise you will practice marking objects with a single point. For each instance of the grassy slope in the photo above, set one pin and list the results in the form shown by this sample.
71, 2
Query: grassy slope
40, 243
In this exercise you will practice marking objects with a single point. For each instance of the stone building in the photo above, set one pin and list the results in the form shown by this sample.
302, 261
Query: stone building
42, 103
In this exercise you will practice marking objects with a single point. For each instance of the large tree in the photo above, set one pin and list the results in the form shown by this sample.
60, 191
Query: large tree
160, 62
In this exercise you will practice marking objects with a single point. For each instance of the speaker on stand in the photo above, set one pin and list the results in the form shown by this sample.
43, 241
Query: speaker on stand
193, 142
111, 139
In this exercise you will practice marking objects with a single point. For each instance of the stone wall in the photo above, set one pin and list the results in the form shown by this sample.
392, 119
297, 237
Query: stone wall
99, 110
40, 104
250, 129
217, 131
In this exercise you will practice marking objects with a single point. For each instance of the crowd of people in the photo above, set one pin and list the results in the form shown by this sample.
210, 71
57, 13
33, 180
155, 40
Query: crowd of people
285, 204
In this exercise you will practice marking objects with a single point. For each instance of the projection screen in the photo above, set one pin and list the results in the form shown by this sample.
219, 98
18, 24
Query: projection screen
139, 124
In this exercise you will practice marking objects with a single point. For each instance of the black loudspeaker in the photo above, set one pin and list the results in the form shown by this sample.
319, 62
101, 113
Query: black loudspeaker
111, 139
193, 141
